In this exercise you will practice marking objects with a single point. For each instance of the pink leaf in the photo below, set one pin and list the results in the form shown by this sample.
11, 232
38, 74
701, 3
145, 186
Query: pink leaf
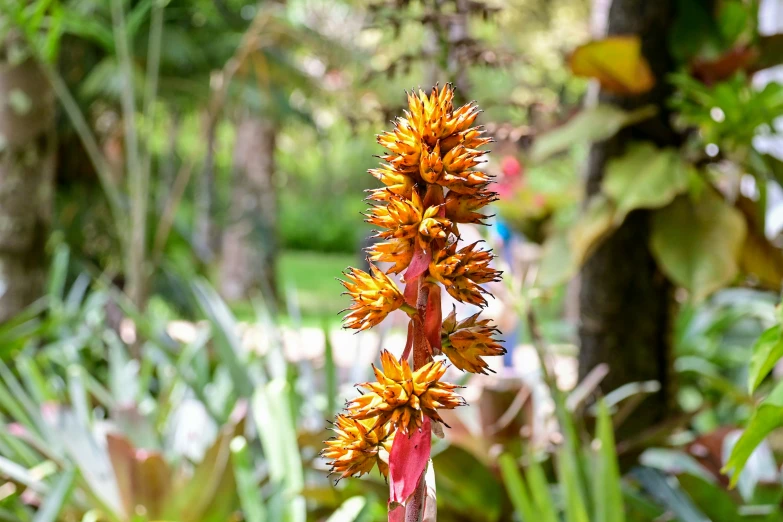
419, 264
407, 461
397, 514
433, 319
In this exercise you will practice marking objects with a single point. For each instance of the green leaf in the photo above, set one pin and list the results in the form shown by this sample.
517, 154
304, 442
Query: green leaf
51, 43
677, 503
608, 493
39, 388
539, 491
253, 508
476, 495
349, 511
58, 273
88, 28
53, 502
517, 491
732, 21
593, 124
596, 222
767, 417
227, 344
710, 498
698, 243
694, 31
78, 394
330, 372
766, 353
639, 507
277, 430
23, 476
570, 488
557, 260
644, 177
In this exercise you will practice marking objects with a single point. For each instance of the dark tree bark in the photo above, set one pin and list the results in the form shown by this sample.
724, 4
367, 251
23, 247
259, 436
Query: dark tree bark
250, 244
27, 154
626, 304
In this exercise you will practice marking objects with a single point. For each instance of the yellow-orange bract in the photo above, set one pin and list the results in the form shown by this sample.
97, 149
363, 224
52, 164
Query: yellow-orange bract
402, 397
357, 446
461, 272
433, 145
467, 341
374, 296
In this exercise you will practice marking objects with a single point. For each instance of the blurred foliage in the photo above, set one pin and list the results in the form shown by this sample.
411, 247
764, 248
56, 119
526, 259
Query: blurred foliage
110, 414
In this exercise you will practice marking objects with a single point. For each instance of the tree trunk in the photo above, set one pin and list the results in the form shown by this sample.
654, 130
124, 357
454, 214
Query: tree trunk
250, 240
27, 154
626, 304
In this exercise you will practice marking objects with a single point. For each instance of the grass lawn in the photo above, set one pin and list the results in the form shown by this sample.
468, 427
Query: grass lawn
312, 275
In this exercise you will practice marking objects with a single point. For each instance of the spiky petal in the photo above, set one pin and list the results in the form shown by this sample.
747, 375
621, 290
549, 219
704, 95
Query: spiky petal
401, 397
462, 272
374, 297
357, 446
399, 217
396, 251
466, 342
462, 208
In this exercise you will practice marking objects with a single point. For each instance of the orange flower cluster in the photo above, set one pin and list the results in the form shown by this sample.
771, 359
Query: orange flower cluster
430, 187
467, 341
401, 397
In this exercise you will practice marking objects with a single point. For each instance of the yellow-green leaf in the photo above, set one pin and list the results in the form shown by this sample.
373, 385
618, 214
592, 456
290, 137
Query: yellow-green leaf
698, 243
607, 493
767, 417
592, 124
616, 62
645, 177
596, 223
557, 260
767, 351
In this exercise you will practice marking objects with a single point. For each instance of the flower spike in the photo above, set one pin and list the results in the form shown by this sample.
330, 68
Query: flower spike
431, 186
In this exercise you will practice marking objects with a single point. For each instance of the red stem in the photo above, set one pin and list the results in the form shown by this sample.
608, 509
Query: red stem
414, 511
421, 349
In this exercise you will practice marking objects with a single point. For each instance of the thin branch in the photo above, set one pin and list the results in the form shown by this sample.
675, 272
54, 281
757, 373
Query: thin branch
169, 211
137, 187
88, 139
538, 342
151, 86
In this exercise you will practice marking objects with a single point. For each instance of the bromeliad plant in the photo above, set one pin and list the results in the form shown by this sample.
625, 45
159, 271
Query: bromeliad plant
430, 188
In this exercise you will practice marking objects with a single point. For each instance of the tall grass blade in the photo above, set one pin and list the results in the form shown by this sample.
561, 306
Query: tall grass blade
78, 395
570, 488
57, 275
227, 343
22, 475
34, 380
330, 370
253, 508
515, 486
276, 426
53, 503
539, 491
607, 492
